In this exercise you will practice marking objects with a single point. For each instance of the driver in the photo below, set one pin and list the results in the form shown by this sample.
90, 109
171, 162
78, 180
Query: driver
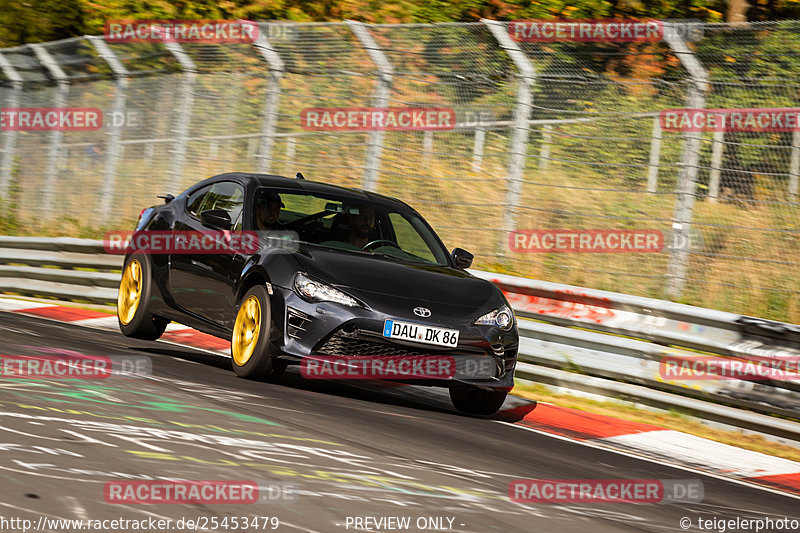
361, 225
268, 208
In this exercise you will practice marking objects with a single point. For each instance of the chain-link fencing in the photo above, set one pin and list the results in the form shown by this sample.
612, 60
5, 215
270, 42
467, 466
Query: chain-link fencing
548, 135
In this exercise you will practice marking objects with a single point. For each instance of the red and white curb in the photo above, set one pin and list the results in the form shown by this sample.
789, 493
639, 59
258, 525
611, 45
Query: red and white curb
660, 444
633, 438
175, 333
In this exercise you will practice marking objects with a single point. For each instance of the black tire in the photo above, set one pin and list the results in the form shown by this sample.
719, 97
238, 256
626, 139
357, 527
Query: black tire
475, 401
143, 324
259, 363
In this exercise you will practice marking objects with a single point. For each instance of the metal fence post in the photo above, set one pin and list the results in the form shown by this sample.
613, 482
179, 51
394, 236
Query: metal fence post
427, 145
113, 149
794, 165
544, 151
380, 99
182, 114
9, 137
655, 156
687, 180
149, 152
477, 148
272, 97
63, 157
519, 139
291, 144
54, 150
716, 165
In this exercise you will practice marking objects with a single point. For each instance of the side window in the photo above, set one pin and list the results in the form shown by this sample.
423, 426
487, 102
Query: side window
195, 201
229, 197
223, 195
409, 239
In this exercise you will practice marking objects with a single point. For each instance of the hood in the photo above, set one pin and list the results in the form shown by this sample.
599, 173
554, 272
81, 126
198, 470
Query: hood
372, 278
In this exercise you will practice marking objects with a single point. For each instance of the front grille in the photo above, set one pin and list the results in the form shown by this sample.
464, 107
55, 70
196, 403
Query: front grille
353, 344
340, 343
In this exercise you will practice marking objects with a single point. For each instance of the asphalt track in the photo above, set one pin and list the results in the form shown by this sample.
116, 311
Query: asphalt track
351, 449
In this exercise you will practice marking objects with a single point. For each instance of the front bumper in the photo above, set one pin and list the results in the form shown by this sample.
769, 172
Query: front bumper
325, 328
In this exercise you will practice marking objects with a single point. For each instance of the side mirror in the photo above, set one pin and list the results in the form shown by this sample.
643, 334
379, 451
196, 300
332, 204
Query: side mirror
462, 258
216, 218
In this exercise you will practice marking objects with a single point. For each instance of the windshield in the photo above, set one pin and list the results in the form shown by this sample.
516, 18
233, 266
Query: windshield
345, 224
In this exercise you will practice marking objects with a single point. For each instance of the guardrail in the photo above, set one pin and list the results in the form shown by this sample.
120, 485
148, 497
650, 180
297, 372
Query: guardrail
624, 337
603, 334
65, 268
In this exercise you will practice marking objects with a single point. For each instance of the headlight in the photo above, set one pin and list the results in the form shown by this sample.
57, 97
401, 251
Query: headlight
502, 317
316, 291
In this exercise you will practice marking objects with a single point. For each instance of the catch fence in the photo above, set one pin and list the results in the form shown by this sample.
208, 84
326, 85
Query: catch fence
549, 135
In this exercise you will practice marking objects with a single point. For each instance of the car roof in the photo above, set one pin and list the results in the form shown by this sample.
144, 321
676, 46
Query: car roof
282, 182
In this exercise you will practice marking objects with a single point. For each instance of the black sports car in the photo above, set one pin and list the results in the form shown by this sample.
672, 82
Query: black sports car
335, 271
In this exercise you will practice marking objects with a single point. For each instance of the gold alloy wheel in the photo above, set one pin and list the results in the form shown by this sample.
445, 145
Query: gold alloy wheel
246, 330
130, 292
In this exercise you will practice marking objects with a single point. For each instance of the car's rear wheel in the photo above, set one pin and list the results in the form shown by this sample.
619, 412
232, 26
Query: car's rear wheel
475, 401
134, 293
250, 346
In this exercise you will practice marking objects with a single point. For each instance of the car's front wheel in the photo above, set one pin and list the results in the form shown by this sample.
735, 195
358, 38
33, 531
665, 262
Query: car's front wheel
134, 293
250, 346
475, 401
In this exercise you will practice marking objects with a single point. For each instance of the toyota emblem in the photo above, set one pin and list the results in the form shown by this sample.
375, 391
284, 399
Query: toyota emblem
424, 312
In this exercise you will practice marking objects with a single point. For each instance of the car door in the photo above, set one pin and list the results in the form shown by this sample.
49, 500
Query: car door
201, 283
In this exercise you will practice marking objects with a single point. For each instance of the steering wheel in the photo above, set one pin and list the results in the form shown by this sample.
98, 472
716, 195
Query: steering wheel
376, 241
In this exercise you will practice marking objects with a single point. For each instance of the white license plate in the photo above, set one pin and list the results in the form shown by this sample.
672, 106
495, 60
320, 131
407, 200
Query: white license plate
407, 331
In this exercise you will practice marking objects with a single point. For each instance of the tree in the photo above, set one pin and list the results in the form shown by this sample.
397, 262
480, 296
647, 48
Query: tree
44, 20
